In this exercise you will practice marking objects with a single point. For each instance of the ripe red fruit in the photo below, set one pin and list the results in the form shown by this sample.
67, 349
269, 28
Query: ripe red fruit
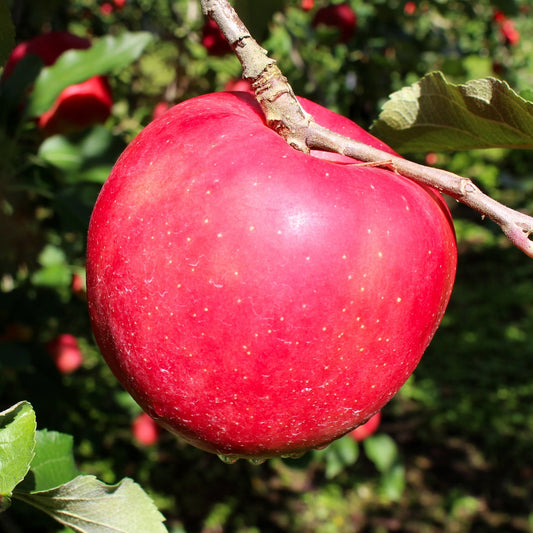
340, 16
106, 8
509, 32
239, 85
213, 40
145, 430
256, 300
307, 5
65, 352
361, 433
409, 8
78, 106
159, 109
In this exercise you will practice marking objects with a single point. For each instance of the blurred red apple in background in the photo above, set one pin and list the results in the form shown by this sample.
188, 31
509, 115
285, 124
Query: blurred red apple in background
340, 16
213, 40
145, 430
364, 431
65, 353
239, 85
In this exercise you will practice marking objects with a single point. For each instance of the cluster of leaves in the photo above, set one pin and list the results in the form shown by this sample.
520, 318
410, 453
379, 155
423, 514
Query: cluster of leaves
38, 468
152, 51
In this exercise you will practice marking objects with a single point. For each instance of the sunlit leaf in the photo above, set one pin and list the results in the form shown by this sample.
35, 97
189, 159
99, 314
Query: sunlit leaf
339, 455
76, 66
392, 483
382, 451
90, 506
53, 464
435, 115
87, 158
17, 443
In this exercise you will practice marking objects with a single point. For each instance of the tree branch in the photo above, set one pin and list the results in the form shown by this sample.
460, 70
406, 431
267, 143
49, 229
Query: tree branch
285, 115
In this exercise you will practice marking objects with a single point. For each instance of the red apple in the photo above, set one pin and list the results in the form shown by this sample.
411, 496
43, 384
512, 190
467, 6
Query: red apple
78, 106
77, 285
213, 40
239, 85
340, 16
65, 352
362, 432
145, 430
409, 8
509, 32
256, 300
159, 109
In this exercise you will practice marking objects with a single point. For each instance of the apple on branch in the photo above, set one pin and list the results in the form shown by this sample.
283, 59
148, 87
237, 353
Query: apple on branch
256, 300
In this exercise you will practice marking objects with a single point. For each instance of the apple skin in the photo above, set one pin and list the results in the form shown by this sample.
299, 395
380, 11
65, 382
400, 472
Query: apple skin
256, 300
362, 432
77, 106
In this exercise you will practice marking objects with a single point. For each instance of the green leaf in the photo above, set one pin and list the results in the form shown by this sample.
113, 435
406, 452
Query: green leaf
86, 504
382, 451
435, 115
87, 158
17, 443
55, 271
53, 464
76, 66
61, 152
14, 89
339, 455
392, 483
7, 33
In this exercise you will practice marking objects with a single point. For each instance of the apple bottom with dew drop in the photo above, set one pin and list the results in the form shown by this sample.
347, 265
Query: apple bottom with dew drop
255, 300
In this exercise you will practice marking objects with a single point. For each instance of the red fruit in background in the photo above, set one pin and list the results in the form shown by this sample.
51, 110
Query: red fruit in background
106, 8
159, 109
239, 85
65, 352
213, 40
499, 16
506, 27
364, 431
307, 5
256, 300
409, 8
145, 430
340, 16
509, 32
78, 285
78, 106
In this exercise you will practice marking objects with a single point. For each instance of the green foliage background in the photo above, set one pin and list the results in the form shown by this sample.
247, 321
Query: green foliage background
462, 424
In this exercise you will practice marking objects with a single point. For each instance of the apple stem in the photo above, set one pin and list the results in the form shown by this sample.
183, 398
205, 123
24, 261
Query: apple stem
285, 115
